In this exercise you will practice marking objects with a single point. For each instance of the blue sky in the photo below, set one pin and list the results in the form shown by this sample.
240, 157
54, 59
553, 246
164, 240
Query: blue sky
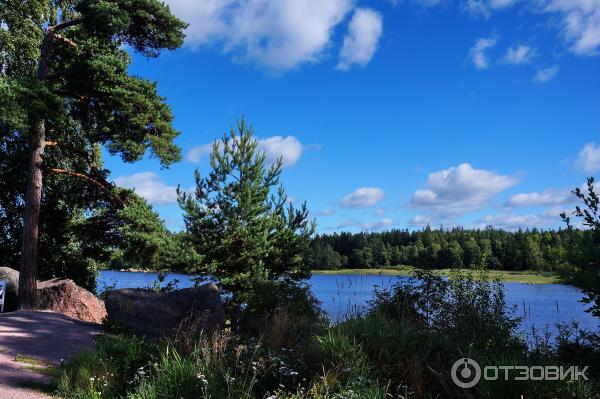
390, 114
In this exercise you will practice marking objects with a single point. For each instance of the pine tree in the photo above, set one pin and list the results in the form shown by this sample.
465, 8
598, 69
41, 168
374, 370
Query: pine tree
64, 86
240, 221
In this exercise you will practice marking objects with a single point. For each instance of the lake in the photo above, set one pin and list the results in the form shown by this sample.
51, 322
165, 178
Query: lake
541, 305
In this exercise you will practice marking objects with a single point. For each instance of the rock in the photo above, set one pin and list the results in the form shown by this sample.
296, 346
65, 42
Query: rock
160, 314
11, 277
66, 297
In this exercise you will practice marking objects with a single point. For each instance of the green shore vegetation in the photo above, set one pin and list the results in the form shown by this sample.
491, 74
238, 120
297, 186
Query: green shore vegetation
507, 276
404, 345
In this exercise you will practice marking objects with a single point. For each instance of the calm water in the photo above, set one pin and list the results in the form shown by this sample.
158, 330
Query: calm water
542, 305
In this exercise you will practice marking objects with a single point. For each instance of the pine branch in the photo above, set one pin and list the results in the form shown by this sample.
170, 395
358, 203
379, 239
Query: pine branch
83, 154
65, 40
66, 24
101, 183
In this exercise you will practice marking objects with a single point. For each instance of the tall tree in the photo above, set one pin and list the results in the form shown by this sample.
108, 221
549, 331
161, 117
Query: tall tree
64, 86
241, 222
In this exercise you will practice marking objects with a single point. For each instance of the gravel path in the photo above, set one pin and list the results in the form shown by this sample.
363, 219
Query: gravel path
46, 336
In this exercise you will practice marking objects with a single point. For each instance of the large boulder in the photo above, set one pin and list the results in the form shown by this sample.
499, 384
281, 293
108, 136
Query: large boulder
11, 298
160, 314
66, 297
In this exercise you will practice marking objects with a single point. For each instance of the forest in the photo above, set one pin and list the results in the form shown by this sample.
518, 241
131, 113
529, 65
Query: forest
535, 250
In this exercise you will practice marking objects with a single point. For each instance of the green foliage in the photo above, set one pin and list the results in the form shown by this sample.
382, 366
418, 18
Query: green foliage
241, 224
321, 255
587, 275
109, 371
457, 248
404, 345
288, 314
87, 93
466, 307
145, 243
76, 230
81, 90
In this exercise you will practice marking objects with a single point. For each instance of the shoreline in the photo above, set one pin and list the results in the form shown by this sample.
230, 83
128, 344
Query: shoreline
505, 276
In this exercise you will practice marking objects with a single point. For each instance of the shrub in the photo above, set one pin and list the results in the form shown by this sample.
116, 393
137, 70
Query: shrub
284, 313
108, 372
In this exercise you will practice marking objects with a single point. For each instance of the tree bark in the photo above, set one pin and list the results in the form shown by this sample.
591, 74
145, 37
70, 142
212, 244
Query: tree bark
28, 299
33, 198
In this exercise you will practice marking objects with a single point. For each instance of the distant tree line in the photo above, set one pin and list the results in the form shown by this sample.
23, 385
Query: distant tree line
429, 248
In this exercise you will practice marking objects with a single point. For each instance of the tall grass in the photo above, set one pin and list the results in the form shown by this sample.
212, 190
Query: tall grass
403, 346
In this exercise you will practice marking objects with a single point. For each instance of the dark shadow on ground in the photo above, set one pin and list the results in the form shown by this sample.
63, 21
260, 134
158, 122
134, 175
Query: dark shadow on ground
46, 336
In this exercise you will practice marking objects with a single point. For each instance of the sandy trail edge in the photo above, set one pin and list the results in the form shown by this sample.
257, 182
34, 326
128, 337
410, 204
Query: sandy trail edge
47, 336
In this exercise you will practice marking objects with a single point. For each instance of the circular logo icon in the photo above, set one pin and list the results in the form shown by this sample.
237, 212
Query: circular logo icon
465, 373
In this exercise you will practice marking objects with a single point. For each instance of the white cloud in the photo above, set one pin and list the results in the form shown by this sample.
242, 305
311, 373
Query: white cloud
459, 190
477, 54
348, 223
150, 186
588, 159
476, 8
581, 23
325, 212
379, 211
500, 4
288, 148
195, 154
545, 198
378, 225
363, 197
510, 221
419, 221
360, 43
279, 35
484, 8
546, 74
520, 54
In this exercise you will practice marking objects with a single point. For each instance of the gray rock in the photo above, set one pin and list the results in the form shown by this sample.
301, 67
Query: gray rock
161, 314
11, 277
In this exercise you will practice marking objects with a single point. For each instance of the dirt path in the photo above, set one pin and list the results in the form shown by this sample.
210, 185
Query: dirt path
47, 337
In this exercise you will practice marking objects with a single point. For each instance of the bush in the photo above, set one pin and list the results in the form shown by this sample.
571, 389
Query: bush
283, 313
467, 307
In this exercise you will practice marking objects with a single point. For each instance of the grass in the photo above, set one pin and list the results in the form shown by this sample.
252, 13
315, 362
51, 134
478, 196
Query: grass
528, 277
39, 367
32, 361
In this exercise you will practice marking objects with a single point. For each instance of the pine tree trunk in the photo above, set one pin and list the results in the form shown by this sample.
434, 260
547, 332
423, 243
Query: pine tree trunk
33, 197
28, 299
